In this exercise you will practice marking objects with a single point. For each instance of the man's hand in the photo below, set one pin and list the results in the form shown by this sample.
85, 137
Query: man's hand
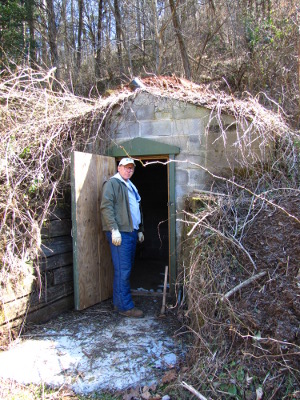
140, 237
116, 237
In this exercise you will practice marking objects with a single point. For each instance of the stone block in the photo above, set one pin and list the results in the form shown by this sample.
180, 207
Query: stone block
196, 178
126, 113
196, 143
183, 110
179, 141
188, 127
213, 121
181, 193
190, 161
181, 177
180, 198
162, 114
127, 130
144, 112
163, 109
142, 99
150, 129
218, 160
146, 106
218, 138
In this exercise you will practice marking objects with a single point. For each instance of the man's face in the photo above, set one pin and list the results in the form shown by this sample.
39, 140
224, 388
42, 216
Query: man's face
126, 171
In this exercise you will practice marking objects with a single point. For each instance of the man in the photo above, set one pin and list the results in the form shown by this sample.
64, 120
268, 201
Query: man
122, 222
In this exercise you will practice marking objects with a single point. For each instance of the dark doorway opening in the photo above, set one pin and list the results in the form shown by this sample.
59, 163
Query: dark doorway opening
153, 254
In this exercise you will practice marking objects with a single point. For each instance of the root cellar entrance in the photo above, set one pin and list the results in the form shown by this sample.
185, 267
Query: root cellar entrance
153, 254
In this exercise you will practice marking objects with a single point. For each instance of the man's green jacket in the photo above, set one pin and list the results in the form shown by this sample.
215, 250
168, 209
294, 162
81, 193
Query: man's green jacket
115, 210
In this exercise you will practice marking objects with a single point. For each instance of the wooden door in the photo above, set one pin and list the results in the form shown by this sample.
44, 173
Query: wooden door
92, 265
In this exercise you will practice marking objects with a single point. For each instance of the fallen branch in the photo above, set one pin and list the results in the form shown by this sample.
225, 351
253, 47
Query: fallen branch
163, 308
243, 284
210, 193
193, 390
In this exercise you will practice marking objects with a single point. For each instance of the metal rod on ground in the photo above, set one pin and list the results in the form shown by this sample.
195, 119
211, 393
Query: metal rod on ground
163, 308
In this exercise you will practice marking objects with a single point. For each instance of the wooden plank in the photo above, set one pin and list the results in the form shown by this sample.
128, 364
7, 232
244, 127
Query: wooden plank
60, 212
59, 260
51, 247
50, 295
106, 167
60, 227
14, 309
10, 331
18, 308
42, 314
51, 310
93, 271
13, 292
63, 275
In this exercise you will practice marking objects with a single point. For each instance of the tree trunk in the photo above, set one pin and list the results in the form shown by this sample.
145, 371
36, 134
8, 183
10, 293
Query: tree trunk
138, 23
183, 52
118, 34
42, 27
29, 4
67, 60
156, 37
73, 24
52, 36
99, 41
79, 35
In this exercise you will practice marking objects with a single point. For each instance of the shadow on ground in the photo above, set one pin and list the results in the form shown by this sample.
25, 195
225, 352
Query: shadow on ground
97, 350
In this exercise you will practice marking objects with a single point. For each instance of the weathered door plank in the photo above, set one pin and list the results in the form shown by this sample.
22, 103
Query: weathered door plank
93, 271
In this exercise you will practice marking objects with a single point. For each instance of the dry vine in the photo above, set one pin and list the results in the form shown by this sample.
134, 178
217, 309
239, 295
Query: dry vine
242, 278
40, 127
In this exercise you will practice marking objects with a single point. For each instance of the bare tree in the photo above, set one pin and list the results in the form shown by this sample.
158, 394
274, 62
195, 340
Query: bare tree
182, 47
157, 38
67, 53
99, 40
117, 14
52, 35
138, 24
251, 45
79, 34
29, 4
73, 24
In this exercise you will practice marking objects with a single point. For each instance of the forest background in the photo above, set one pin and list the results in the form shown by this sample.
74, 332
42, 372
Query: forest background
95, 45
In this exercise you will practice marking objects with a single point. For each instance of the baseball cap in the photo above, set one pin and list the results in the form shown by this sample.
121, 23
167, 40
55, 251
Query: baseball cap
126, 161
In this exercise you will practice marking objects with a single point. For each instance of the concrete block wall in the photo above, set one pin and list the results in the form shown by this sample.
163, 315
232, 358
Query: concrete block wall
195, 130
207, 141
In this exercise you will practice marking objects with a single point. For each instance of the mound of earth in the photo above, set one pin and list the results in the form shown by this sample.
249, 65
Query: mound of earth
274, 243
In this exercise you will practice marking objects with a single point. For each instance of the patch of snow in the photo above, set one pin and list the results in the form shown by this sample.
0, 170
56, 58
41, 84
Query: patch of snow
128, 353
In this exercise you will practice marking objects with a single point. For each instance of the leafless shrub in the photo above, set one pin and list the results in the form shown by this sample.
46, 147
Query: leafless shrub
240, 265
40, 127
236, 283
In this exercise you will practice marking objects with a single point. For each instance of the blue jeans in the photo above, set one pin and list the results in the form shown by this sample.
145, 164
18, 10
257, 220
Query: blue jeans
123, 259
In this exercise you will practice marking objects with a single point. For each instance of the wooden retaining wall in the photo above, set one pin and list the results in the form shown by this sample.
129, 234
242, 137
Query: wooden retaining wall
49, 292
